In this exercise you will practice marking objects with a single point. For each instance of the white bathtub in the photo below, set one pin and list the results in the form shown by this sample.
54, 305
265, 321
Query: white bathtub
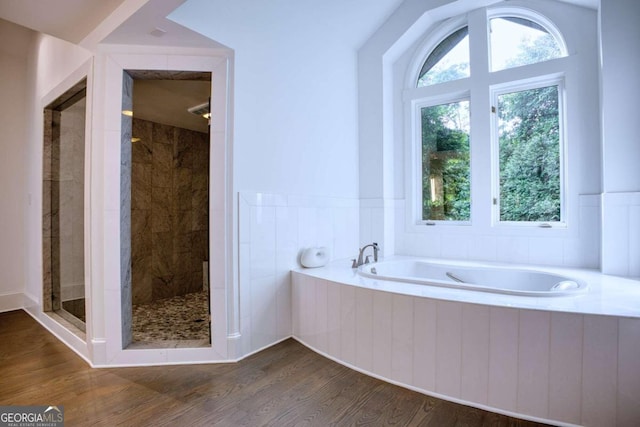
564, 361
486, 279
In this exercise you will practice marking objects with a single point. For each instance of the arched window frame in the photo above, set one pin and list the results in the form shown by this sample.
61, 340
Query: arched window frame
482, 213
528, 14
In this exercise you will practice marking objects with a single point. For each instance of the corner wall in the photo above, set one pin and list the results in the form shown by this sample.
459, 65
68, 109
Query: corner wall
273, 230
14, 122
50, 62
620, 61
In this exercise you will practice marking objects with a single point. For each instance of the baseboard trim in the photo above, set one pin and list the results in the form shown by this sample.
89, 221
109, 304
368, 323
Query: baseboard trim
11, 302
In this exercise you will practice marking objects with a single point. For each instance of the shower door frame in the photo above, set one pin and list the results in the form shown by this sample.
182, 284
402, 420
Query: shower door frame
224, 299
74, 335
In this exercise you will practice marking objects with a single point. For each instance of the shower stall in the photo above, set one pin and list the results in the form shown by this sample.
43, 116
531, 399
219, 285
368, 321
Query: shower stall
63, 207
166, 152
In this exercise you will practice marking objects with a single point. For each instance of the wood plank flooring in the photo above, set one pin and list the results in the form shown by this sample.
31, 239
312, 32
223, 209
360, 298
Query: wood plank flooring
285, 385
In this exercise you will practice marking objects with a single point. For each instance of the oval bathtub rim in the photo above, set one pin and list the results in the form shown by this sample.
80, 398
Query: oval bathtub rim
608, 295
582, 286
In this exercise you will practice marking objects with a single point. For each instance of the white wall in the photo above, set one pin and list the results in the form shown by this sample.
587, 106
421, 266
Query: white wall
295, 139
295, 89
272, 230
385, 186
13, 122
50, 62
620, 61
620, 87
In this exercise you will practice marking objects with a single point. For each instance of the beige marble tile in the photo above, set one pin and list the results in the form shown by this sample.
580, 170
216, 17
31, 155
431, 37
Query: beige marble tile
161, 209
163, 134
162, 287
200, 207
142, 149
162, 165
183, 154
162, 258
141, 174
182, 192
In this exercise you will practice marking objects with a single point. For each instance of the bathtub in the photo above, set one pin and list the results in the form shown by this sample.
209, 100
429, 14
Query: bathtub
485, 279
565, 361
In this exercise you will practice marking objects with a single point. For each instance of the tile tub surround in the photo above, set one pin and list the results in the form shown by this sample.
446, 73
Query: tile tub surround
169, 210
565, 360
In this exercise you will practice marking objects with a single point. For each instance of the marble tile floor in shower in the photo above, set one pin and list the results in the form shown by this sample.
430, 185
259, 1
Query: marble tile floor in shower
179, 321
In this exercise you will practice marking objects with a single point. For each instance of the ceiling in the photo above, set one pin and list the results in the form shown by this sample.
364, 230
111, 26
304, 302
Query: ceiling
160, 98
166, 97
136, 22
75, 20
69, 20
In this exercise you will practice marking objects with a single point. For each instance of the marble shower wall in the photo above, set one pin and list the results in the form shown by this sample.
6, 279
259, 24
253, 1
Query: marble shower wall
169, 210
125, 212
71, 201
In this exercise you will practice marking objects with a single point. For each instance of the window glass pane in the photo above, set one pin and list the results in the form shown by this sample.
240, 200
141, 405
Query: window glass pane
519, 41
448, 61
445, 162
529, 155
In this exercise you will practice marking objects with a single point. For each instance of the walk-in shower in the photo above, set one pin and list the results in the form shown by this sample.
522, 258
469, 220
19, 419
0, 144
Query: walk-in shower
166, 158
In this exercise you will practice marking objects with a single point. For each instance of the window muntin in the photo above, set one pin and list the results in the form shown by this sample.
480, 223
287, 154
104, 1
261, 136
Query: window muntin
445, 162
448, 61
518, 41
529, 148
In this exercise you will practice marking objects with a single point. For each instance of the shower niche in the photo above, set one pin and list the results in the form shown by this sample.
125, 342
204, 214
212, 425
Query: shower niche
165, 209
63, 208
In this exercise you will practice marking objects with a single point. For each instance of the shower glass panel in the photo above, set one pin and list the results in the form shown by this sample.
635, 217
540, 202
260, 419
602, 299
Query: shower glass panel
63, 206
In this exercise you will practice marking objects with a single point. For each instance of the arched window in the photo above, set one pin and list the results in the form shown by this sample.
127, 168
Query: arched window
448, 61
516, 41
525, 138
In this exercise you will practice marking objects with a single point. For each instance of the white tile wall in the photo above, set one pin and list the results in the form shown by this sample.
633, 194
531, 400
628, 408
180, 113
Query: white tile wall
402, 339
273, 229
321, 301
382, 318
333, 318
621, 234
348, 324
503, 357
424, 343
628, 407
599, 371
576, 246
364, 328
475, 353
448, 348
533, 363
563, 368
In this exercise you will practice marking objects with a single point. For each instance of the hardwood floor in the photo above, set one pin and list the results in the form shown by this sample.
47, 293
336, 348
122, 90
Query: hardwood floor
285, 385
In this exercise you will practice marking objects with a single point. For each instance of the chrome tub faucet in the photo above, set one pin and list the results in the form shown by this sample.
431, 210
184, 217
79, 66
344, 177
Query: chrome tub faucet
365, 260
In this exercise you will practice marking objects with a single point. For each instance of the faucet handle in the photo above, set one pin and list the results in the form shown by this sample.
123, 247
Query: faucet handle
354, 263
366, 259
